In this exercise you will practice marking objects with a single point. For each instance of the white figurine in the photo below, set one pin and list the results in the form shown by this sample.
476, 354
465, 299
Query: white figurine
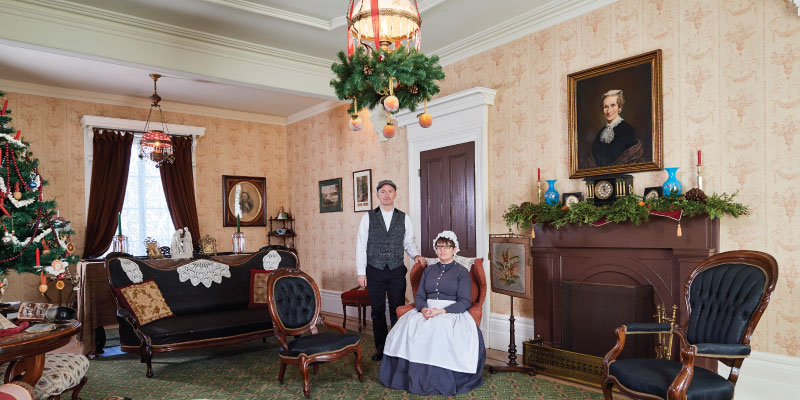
181, 246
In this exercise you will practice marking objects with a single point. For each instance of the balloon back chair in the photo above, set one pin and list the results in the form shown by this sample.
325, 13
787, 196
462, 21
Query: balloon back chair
477, 275
294, 304
725, 297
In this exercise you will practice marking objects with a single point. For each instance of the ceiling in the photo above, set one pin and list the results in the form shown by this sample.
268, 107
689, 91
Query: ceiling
263, 57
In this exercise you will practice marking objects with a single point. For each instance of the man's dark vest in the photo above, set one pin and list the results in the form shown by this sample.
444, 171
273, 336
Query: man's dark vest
385, 249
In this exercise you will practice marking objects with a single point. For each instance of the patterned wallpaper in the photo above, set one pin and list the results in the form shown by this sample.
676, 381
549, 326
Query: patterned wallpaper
731, 87
229, 147
323, 147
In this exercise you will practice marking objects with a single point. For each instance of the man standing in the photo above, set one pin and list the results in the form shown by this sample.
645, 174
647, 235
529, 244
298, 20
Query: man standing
383, 234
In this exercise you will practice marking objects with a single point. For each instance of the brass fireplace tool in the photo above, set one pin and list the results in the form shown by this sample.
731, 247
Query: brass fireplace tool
664, 346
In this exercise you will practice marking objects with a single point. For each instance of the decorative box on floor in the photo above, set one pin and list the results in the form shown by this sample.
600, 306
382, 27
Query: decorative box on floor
167, 305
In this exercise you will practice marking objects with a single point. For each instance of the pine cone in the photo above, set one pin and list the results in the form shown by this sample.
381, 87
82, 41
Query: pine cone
696, 195
368, 70
413, 89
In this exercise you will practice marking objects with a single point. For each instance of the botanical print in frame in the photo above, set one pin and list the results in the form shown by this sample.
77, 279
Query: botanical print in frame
615, 117
511, 265
362, 190
245, 196
330, 195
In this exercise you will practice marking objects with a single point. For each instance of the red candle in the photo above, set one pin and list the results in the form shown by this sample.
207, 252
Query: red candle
37, 257
699, 162
538, 174
17, 136
5, 105
42, 279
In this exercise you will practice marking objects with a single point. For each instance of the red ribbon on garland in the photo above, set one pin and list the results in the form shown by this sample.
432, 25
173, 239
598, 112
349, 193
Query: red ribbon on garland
376, 29
673, 215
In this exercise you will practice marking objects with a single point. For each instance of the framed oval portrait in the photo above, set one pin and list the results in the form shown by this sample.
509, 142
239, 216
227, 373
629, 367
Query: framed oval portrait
246, 197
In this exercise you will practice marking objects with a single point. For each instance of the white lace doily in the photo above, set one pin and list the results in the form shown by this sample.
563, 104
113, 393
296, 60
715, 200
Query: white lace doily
465, 261
271, 260
131, 269
203, 271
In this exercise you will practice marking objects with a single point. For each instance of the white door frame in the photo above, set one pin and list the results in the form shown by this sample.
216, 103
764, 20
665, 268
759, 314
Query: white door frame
458, 118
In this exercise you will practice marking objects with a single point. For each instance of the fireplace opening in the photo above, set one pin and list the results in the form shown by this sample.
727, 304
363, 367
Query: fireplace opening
591, 312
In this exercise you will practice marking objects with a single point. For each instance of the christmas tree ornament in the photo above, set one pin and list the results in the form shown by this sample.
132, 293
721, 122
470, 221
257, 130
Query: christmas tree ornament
425, 119
45, 248
414, 89
389, 130
42, 282
391, 103
17, 193
6, 238
368, 70
60, 283
356, 123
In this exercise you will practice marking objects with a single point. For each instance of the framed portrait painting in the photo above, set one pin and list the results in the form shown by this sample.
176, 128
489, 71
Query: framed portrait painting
511, 265
362, 190
245, 196
615, 117
330, 195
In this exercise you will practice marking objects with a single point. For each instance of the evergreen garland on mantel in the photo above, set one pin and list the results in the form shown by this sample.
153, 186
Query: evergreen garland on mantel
629, 208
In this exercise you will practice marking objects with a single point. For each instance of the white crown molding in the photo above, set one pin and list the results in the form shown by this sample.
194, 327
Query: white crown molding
442, 106
312, 111
94, 32
93, 121
102, 98
796, 4
302, 19
535, 20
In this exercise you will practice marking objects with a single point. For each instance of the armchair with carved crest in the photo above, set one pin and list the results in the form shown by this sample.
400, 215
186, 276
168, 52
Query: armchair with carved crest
725, 296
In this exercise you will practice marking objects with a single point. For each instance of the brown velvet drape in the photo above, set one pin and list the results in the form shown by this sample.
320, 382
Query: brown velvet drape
178, 182
111, 159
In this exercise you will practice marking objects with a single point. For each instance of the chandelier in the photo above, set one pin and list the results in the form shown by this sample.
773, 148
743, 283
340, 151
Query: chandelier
156, 145
383, 65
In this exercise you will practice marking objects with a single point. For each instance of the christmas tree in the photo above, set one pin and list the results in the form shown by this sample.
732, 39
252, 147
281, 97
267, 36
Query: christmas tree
32, 229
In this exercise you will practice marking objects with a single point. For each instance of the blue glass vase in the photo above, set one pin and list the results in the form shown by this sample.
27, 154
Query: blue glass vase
672, 186
551, 195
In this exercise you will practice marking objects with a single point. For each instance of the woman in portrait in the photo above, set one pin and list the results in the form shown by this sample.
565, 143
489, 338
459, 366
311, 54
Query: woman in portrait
436, 348
616, 143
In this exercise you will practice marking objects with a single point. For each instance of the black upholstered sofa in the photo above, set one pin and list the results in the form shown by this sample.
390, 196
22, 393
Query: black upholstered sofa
209, 301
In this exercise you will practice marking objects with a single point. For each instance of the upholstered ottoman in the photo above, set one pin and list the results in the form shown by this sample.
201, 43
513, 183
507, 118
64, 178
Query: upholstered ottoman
62, 372
356, 297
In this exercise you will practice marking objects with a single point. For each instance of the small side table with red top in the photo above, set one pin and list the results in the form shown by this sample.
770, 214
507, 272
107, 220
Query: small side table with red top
355, 297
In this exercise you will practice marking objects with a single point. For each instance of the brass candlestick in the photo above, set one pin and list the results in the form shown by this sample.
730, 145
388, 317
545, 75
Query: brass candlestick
539, 190
699, 177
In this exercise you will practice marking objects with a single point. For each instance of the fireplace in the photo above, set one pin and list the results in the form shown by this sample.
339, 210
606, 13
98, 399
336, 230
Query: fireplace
614, 255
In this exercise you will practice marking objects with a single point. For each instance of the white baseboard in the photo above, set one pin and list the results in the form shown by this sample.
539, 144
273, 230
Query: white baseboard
332, 303
498, 335
767, 376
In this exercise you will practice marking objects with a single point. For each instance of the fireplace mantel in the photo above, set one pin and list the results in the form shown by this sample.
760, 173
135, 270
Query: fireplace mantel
623, 254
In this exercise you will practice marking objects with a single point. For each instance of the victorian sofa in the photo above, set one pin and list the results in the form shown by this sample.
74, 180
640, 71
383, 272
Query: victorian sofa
166, 305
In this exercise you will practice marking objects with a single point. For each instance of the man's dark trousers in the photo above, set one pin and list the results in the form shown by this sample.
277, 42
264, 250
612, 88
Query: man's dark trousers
383, 284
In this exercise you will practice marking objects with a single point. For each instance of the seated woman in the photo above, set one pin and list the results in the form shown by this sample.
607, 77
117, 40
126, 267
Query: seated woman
436, 348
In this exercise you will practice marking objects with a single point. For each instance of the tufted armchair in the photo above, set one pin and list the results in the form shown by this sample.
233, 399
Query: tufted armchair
725, 297
294, 304
478, 294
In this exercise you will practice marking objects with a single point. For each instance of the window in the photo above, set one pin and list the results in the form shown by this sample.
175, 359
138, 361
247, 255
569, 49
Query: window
145, 213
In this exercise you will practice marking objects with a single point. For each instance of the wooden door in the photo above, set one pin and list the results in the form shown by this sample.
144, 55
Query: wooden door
447, 196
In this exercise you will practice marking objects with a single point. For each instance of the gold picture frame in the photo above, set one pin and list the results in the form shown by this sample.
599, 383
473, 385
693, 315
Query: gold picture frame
252, 200
510, 265
208, 245
633, 144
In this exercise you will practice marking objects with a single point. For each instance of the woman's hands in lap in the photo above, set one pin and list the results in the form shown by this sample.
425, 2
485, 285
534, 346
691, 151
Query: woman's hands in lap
429, 313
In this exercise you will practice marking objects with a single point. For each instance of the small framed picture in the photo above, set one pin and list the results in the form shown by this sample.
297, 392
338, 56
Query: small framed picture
511, 265
330, 195
362, 190
571, 198
34, 312
654, 192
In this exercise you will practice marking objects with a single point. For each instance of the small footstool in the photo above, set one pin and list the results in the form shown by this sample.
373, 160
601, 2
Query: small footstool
62, 372
355, 297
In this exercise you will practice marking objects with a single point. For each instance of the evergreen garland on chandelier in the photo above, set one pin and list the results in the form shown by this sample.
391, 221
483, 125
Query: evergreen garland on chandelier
364, 77
629, 208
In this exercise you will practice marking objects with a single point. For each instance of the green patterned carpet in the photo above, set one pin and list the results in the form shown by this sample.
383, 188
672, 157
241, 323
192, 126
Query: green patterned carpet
249, 371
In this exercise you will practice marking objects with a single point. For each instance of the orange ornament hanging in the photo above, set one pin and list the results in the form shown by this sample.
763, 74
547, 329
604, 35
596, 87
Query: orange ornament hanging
425, 119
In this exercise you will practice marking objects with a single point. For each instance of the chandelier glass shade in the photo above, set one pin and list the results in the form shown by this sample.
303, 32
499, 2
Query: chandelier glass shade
156, 145
389, 24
